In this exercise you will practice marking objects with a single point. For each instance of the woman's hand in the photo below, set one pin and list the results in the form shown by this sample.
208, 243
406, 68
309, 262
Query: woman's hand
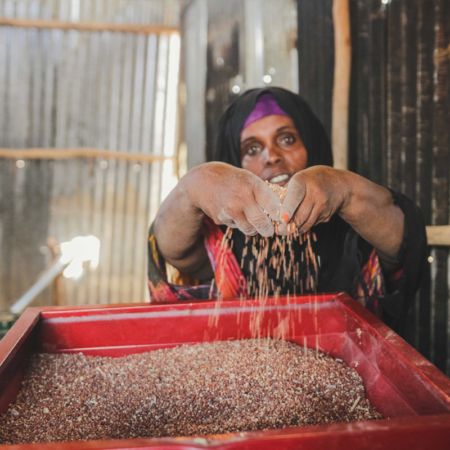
230, 196
234, 197
313, 196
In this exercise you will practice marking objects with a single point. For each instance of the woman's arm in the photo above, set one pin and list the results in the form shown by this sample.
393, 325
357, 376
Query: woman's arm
315, 194
177, 228
229, 196
370, 210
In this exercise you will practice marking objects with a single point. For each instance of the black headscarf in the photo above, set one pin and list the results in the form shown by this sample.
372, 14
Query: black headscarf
311, 130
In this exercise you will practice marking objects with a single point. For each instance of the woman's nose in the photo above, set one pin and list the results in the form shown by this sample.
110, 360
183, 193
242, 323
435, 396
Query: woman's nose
273, 156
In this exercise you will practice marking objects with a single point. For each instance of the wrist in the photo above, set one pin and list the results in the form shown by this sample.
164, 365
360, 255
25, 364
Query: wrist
346, 187
188, 188
362, 198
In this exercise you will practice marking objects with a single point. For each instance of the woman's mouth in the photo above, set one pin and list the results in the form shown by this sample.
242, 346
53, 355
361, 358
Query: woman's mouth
280, 179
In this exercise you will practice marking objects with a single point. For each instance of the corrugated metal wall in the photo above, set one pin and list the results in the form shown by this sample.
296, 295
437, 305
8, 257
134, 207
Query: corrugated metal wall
128, 11
105, 90
399, 124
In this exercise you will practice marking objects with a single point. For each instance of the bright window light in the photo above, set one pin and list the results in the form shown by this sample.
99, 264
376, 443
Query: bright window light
172, 95
77, 251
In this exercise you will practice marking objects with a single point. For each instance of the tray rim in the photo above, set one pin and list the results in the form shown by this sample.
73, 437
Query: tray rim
30, 319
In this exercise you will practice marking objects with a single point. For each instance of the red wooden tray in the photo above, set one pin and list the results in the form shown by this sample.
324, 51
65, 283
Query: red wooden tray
407, 389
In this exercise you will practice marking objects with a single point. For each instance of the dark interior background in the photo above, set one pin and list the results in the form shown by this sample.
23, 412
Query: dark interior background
399, 122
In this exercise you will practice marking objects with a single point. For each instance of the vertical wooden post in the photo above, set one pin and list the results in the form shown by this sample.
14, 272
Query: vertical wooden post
341, 86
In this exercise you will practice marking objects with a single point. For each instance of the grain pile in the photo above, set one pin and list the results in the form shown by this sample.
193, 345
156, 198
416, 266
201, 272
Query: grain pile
202, 389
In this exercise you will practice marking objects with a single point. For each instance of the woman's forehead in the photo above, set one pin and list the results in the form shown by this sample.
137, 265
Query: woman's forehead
267, 126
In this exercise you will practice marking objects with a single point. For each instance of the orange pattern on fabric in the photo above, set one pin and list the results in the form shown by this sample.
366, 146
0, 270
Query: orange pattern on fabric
155, 253
373, 275
175, 277
376, 283
229, 279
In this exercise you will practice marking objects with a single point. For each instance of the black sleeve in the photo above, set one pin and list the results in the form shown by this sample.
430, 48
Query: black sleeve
412, 257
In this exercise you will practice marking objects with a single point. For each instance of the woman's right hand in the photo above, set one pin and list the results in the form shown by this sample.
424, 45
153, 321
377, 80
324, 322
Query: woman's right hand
234, 197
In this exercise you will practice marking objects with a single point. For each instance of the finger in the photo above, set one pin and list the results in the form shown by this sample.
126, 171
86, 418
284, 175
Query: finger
239, 221
260, 221
230, 223
325, 216
310, 222
303, 213
283, 229
295, 194
245, 226
267, 200
225, 219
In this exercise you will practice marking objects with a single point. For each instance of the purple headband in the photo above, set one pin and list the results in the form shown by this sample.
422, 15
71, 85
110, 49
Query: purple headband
266, 106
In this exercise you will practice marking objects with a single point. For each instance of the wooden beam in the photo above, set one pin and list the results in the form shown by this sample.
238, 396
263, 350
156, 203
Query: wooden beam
88, 26
439, 235
341, 84
83, 152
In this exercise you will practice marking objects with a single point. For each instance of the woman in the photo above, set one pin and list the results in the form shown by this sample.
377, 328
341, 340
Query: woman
369, 241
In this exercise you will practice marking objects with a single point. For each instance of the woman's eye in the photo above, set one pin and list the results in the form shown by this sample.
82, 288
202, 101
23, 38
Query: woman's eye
253, 150
288, 140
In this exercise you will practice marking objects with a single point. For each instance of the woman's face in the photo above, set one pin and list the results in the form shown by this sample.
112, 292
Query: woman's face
272, 149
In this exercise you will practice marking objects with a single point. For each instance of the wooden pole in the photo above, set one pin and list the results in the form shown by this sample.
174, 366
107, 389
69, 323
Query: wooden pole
439, 235
83, 152
88, 26
341, 85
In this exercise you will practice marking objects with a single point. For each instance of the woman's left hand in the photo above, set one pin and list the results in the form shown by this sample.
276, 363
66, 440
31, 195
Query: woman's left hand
313, 196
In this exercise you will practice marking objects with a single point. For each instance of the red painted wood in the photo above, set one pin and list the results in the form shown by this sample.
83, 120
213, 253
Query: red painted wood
12, 341
15, 349
399, 382
404, 365
412, 433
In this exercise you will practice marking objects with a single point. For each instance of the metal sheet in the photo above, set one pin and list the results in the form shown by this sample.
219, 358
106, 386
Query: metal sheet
69, 89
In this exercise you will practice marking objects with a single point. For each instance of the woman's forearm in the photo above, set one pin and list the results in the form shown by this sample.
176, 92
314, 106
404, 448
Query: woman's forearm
178, 233
370, 210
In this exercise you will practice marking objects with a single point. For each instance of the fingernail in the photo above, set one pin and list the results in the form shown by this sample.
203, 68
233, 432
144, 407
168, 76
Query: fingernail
285, 217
